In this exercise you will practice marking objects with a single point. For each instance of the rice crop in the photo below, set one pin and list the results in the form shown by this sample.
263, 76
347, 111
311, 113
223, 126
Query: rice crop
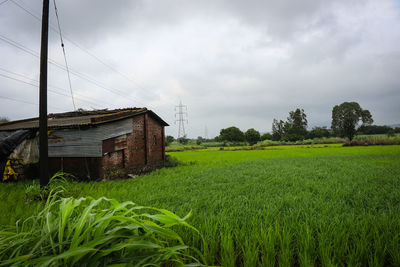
300, 205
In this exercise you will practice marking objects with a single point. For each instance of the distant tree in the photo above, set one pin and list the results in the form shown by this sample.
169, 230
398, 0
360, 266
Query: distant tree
183, 140
277, 130
345, 118
373, 129
199, 140
266, 136
397, 130
231, 134
296, 125
252, 136
4, 119
391, 133
318, 132
169, 139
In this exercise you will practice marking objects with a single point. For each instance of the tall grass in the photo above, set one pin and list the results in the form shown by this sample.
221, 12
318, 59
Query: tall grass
96, 232
373, 140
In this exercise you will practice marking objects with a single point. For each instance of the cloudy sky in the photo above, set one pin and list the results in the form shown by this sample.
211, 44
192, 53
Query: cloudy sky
231, 62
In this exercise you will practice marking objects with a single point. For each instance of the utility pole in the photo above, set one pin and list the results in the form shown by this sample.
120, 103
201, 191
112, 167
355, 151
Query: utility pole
182, 117
43, 141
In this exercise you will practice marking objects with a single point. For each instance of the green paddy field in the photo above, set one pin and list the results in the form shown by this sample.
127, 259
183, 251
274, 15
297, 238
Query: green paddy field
321, 205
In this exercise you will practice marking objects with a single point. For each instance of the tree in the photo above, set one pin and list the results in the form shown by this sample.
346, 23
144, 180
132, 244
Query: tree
169, 139
266, 136
277, 130
345, 118
391, 133
183, 140
318, 132
231, 134
199, 140
373, 129
295, 127
252, 136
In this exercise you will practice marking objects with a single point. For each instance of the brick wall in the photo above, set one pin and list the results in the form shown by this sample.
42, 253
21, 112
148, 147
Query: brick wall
145, 146
155, 141
136, 143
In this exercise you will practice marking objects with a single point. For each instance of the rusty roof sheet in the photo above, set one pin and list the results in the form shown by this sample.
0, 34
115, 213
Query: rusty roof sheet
78, 118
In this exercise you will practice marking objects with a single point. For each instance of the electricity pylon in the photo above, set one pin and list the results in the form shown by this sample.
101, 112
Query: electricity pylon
182, 117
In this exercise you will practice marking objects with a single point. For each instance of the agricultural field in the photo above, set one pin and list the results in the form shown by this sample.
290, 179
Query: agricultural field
307, 205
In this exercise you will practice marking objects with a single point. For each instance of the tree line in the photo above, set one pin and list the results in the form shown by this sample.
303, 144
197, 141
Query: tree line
348, 119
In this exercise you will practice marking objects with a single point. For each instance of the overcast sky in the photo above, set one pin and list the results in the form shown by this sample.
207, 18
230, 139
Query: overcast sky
232, 62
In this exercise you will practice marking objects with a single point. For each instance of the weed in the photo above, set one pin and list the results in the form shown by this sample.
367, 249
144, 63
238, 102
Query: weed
96, 232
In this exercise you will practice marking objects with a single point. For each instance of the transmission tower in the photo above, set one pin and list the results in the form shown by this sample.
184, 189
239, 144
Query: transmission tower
206, 132
181, 115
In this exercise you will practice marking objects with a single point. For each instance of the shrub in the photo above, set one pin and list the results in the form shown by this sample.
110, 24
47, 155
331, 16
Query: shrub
169, 139
34, 192
183, 140
170, 161
266, 136
96, 232
373, 141
60, 182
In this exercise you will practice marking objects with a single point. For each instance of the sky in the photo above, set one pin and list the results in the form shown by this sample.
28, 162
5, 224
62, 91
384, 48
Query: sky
231, 62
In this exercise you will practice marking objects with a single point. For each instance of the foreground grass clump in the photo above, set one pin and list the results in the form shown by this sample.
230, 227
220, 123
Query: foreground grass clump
95, 232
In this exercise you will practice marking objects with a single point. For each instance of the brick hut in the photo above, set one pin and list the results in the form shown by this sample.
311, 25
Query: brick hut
91, 144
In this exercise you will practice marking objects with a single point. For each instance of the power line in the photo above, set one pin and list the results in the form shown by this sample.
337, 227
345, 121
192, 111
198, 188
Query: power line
60, 66
65, 56
3, 2
19, 100
69, 77
56, 87
82, 48
26, 102
35, 85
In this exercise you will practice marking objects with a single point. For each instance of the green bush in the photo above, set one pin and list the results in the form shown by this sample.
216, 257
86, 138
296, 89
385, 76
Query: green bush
170, 161
266, 136
61, 182
391, 133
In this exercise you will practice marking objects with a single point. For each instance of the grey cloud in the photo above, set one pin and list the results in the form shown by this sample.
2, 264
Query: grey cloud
235, 62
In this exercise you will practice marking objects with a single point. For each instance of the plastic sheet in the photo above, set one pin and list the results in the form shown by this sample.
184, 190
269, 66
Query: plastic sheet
8, 144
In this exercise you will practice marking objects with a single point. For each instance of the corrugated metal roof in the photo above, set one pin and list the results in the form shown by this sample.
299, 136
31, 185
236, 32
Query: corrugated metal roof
78, 118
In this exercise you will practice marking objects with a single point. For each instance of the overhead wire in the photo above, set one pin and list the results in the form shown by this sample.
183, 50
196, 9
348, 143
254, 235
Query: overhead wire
136, 84
65, 56
70, 85
36, 85
3, 2
60, 66
27, 102
81, 97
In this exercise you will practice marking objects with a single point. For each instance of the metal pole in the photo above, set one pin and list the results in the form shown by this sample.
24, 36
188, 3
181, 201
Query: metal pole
43, 141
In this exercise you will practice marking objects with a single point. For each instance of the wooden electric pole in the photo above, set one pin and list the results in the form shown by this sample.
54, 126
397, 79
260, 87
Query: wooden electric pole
43, 141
